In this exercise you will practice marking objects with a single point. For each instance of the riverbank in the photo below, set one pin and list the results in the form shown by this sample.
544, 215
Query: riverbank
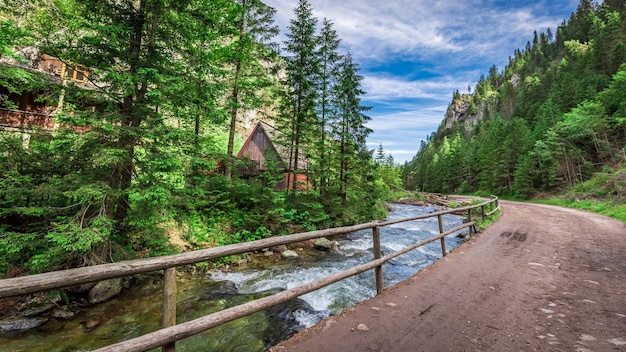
261, 273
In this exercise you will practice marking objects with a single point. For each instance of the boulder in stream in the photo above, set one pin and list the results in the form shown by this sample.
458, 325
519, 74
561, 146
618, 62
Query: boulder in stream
105, 290
323, 244
289, 254
63, 313
219, 289
283, 320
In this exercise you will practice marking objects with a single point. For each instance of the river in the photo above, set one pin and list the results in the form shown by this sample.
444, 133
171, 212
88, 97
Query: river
139, 310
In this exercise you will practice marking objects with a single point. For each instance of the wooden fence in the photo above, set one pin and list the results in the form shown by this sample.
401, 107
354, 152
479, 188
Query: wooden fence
172, 332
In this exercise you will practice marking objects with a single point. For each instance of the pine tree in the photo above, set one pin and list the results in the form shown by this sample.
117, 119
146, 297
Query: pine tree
303, 72
350, 126
251, 54
329, 59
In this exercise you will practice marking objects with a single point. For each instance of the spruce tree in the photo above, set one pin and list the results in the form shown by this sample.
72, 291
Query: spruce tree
350, 129
251, 60
329, 59
299, 121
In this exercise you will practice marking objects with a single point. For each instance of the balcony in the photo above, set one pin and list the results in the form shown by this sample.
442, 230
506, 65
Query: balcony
25, 120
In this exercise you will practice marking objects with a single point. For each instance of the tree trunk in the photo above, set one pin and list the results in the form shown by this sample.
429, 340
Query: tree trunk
121, 178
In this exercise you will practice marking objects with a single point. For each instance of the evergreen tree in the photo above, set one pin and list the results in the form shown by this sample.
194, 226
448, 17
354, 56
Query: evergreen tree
329, 59
350, 127
251, 54
299, 119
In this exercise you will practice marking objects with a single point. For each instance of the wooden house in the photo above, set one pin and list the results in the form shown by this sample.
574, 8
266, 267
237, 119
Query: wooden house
28, 111
261, 149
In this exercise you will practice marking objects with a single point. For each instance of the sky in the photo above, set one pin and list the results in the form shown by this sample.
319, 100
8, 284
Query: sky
414, 54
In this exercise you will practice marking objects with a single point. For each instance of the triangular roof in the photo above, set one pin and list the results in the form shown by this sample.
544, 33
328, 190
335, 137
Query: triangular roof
271, 137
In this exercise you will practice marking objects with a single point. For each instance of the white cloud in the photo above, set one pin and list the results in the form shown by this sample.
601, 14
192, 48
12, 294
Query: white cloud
408, 120
387, 87
374, 29
415, 53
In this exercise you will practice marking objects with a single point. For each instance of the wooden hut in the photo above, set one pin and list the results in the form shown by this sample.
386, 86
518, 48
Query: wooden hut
29, 110
261, 149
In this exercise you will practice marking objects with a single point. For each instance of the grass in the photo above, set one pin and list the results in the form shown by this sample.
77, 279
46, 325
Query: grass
478, 220
604, 193
604, 207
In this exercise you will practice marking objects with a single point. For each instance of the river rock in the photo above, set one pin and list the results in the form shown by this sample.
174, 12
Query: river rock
289, 254
21, 324
36, 309
105, 290
64, 314
220, 289
323, 244
92, 323
362, 327
39, 304
283, 320
82, 288
280, 248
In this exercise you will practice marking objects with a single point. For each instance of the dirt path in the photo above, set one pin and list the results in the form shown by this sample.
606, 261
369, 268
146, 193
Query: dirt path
540, 278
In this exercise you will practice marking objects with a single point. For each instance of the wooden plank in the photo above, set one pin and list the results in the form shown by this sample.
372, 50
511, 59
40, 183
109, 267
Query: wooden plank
482, 210
65, 278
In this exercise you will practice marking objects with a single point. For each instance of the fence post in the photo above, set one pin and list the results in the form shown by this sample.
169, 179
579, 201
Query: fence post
469, 219
169, 303
380, 284
482, 208
443, 242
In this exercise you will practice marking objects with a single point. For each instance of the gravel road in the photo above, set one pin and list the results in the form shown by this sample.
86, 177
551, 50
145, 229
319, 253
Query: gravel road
541, 278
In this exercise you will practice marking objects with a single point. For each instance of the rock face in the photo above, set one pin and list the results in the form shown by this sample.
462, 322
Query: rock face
105, 290
460, 111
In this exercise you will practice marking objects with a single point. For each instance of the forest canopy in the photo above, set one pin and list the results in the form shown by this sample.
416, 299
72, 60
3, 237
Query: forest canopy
147, 113
552, 118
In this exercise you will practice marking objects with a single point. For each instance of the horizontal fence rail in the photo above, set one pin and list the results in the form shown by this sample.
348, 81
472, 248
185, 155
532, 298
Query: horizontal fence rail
172, 332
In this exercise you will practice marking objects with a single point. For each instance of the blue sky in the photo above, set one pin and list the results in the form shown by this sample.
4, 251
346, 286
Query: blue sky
415, 53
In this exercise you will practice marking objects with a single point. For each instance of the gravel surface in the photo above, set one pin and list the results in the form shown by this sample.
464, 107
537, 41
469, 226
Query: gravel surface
541, 278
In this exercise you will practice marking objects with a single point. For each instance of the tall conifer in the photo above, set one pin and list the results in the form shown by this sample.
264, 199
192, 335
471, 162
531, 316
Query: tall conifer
303, 76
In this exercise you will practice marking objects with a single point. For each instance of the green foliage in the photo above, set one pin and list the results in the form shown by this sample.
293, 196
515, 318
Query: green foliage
553, 119
139, 163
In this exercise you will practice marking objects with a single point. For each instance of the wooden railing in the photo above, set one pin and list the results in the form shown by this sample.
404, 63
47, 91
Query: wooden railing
172, 332
25, 119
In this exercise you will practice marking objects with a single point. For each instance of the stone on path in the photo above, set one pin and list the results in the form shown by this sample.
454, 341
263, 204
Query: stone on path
362, 327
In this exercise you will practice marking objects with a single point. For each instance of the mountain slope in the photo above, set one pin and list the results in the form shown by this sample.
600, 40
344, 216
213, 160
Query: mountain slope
554, 117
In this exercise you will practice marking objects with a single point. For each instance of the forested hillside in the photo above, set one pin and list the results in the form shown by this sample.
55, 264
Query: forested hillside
553, 117
142, 158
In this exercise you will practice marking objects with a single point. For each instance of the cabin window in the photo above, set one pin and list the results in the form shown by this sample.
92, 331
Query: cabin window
76, 73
